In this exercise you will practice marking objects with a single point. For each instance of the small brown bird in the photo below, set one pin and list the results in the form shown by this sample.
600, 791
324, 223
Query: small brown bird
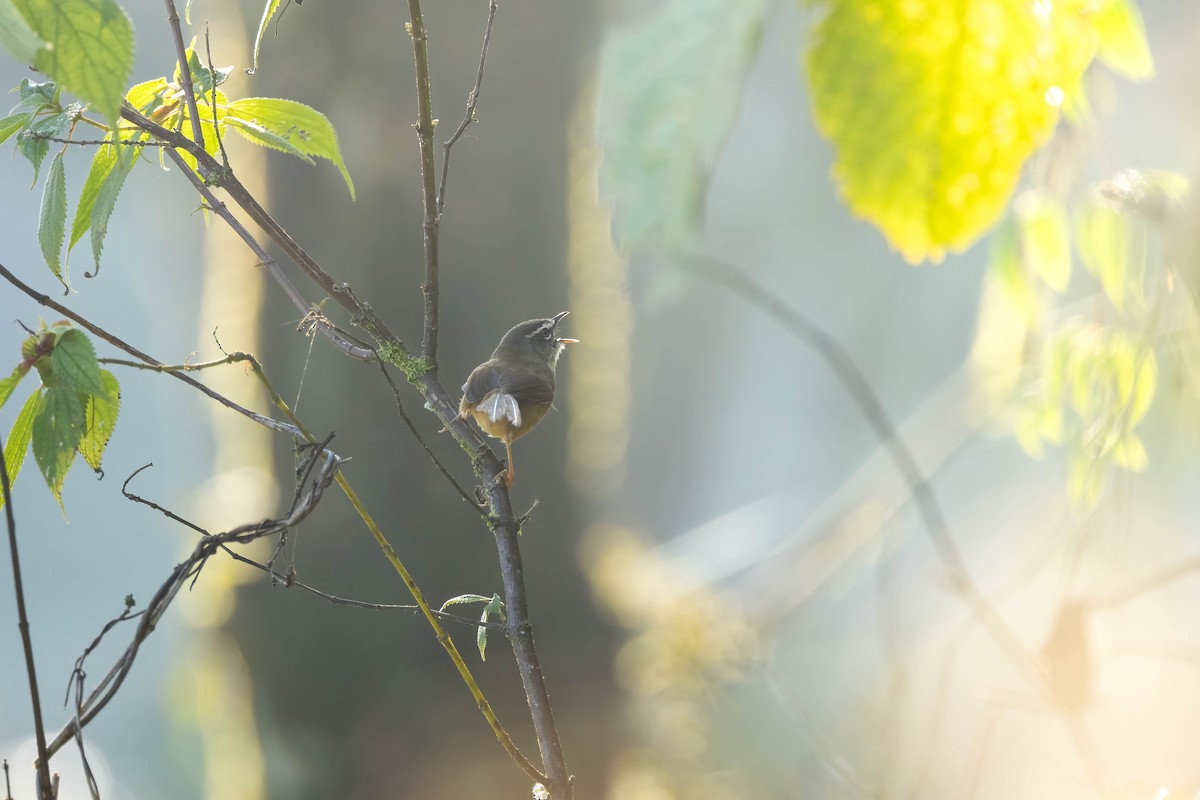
510, 392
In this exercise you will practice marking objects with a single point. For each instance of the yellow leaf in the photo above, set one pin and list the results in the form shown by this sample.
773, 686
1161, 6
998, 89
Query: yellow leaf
1123, 45
933, 107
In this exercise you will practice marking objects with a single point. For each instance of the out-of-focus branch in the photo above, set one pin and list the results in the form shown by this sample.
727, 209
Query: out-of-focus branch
185, 73
429, 197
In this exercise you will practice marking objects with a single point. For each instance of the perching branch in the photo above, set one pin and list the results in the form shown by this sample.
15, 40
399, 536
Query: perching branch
45, 787
185, 73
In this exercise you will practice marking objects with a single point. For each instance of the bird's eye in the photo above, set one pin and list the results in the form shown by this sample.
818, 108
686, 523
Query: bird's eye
545, 331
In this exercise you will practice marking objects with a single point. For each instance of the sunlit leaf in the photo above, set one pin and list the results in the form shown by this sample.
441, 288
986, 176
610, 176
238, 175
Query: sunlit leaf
15, 35
1103, 243
100, 418
269, 10
14, 122
8, 384
103, 162
75, 364
1123, 46
1045, 239
106, 199
89, 47
1130, 453
669, 91
933, 107
304, 129
17, 443
52, 220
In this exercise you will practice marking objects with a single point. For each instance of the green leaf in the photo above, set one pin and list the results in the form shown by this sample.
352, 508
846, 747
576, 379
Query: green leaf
14, 122
106, 199
52, 221
75, 365
103, 163
100, 418
148, 95
933, 106
89, 47
1123, 46
669, 92
57, 429
36, 94
465, 598
1103, 242
1045, 239
260, 135
1130, 453
17, 443
305, 129
15, 34
269, 11
495, 607
7, 385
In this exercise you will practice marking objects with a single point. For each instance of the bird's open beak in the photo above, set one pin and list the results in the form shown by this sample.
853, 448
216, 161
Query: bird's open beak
568, 341
557, 319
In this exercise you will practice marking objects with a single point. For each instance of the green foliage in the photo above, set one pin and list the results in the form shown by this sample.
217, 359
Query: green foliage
934, 106
1122, 35
52, 220
494, 608
269, 11
88, 47
288, 126
103, 162
669, 92
75, 409
15, 34
106, 199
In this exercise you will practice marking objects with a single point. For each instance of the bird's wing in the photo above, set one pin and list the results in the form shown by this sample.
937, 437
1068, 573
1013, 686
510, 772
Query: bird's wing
523, 385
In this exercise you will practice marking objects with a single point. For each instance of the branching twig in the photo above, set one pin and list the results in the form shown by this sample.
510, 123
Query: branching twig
45, 787
429, 222
472, 100
864, 396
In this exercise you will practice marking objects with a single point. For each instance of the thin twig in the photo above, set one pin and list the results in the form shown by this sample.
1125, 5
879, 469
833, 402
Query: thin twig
212, 76
421, 440
96, 142
45, 787
472, 101
429, 198
7, 783
185, 73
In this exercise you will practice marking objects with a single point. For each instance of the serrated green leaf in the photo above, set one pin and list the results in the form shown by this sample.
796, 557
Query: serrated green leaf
100, 418
148, 95
75, 365
305, 129
36, 93
933, 106
7, 385
269, 11
35, 150
669, 92
52, 221
1103, 243
57, 430
464, 598
260, 135
17, 443
89, 47
106, 200
13, 123
103, 162
1123, 46
1045, 239
15, 34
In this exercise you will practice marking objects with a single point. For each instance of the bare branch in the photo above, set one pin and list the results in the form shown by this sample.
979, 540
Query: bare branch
185, 73
429, 222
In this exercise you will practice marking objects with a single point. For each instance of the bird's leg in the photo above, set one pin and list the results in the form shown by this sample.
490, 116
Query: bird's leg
510, 471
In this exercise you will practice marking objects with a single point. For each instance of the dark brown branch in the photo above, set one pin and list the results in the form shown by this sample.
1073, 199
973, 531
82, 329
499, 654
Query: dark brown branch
429, 199
472, 101
45, 787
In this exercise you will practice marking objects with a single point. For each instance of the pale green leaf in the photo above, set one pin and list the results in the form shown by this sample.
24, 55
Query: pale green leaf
669, 92
52, 221
89, 47
269, 10
7, 385
1130, 453
103, 162
260, 135
305, 129
1045, 239
14, 122
933, 106
147, 96
100, 418
1103, 243
57, 430
1123, 46
15, 34
463, 599
106, 200
17, 443
75, 365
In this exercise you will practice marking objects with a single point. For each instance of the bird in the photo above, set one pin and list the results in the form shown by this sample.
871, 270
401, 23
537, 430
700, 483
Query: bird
510, 392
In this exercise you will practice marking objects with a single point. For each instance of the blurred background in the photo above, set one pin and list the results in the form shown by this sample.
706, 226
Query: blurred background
733, 593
